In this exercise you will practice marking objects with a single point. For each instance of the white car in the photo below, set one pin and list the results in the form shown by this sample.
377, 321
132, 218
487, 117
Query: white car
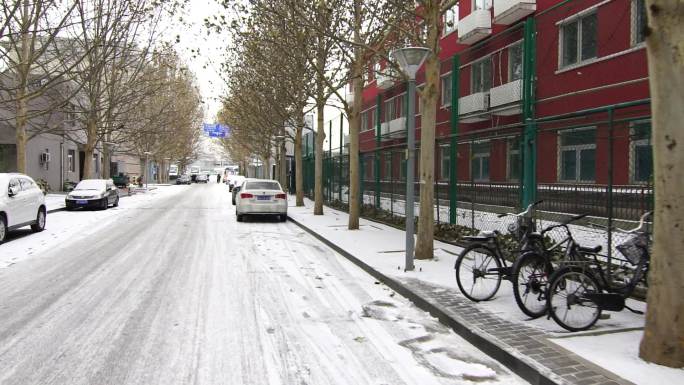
202, 178
22, 203
261, 197
235, 180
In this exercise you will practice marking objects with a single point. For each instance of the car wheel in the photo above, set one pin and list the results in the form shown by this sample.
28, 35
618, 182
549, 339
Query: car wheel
233, 202
239, 218
40, 221
105, 204
3, 229
116, 202
283, 218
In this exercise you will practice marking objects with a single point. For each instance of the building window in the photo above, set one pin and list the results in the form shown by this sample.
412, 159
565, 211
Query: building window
450, 20
401, 107
445, 162
446, 90
577, 160
515, 62
374, 119
514, 159
8, 157
481, 75
369, 165
388, 166
71, 160
639, 22
364, 121
479, 167
390, 111
482, 4
578, 40
642, 152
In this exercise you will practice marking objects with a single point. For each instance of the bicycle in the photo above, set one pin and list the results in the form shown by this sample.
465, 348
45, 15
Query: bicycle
483, 260
531, 271
580, 291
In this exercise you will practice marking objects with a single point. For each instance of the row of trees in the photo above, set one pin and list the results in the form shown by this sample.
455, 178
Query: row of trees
93, 71
293, 56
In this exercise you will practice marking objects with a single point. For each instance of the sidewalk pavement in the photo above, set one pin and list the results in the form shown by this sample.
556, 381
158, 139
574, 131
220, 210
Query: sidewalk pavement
538, 350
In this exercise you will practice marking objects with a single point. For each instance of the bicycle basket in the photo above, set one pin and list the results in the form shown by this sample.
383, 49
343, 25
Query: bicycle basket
634, 249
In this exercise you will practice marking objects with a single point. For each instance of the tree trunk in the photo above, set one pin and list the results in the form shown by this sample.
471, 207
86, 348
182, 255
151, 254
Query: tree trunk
23, 69
299, 169
663, 341
355, 123
318, 171
20, 131
428, 121
89, 150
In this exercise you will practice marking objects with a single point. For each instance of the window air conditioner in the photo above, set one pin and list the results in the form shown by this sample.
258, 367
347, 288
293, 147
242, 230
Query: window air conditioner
45, 157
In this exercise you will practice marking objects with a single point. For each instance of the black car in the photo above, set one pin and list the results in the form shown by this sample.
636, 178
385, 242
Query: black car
93, 193
234, 191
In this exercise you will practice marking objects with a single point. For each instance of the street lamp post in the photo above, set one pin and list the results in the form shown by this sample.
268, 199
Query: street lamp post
410, 59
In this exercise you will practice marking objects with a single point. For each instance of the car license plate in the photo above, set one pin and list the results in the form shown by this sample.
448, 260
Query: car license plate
81, 202
263, 197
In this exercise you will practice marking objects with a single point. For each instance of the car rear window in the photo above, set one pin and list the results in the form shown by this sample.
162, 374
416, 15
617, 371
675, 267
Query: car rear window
262, 185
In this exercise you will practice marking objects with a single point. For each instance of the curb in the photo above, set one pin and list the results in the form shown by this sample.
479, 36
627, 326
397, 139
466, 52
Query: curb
512, 362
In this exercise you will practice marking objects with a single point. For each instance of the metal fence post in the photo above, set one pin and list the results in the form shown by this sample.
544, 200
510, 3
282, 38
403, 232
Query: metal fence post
530, 136
377, 152
453, 142
339, 187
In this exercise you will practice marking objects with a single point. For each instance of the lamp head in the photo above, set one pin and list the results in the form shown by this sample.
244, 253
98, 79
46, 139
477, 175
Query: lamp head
410, 59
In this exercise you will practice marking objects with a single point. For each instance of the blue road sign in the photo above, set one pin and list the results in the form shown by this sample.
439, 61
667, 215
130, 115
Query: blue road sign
216, 130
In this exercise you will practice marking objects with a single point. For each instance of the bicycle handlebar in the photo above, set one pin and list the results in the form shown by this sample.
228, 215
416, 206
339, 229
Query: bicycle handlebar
524, 213
634, 230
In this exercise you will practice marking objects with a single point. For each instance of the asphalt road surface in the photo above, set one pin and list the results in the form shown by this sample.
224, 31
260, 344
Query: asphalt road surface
177, 292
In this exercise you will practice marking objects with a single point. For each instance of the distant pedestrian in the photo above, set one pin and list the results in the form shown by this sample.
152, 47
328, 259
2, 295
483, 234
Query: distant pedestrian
218, 178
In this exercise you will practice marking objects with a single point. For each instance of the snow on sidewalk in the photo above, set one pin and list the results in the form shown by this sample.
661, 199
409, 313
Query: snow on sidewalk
382, 247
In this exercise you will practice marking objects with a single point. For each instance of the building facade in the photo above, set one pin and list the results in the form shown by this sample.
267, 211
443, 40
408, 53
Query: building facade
551, 94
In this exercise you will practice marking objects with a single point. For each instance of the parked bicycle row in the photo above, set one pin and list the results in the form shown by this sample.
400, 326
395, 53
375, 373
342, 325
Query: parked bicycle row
554, 275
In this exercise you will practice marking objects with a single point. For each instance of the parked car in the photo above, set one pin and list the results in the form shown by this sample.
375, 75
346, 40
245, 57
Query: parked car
261, 197
234, 192
93, 193
202, 178
183, 179
22, 203
235, 180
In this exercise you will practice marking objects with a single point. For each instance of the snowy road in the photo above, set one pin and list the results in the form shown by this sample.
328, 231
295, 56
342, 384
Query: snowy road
175, 291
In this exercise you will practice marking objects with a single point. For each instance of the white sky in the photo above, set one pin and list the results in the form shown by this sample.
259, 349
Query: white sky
207, 65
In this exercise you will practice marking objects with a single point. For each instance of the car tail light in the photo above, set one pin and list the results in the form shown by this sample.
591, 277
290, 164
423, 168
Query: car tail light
281, 196
246, 195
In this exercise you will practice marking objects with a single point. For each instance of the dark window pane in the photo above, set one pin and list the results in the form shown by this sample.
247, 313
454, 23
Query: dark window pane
643, 163
476, 168
477, 77
640, 21
641, 130
568, 165
487, 74
515, 62
514, 166
589, 26
485, 168
570, 43
587, 165
580, 137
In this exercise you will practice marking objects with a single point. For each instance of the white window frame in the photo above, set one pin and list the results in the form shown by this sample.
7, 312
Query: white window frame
364, 121
509, 49
487, 4
633, 144
444, 94
472, 74
450, 16
512, 149
71, 160
634, 28
444, 155
480, 156
578, 160
395, 107
387, 166
578, 18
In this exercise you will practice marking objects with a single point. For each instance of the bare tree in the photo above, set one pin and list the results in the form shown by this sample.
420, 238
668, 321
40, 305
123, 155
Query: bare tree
663, 341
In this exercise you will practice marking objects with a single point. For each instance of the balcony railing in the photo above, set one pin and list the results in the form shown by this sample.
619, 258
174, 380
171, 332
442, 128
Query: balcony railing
504, 94
475, 26
394, 128
510, 11
476, 102
384, 81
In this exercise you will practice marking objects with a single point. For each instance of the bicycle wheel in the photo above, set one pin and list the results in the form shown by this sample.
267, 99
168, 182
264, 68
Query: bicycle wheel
478, 272
530, 279
567, 301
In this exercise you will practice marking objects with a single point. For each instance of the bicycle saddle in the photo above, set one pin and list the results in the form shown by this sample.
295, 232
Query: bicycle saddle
590, 250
